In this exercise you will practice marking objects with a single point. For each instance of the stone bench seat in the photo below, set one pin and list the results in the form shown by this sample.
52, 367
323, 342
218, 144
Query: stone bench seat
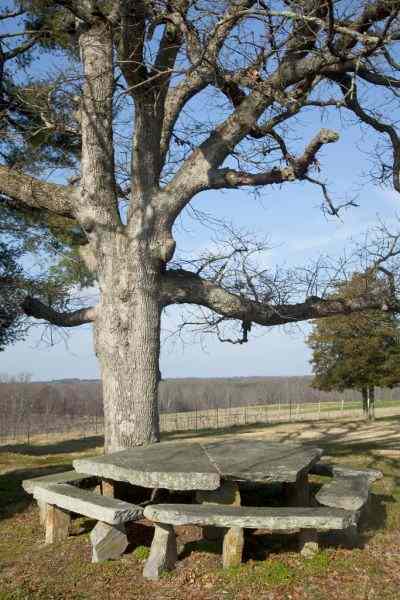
70, 477
274, 519
331, 470
308, 521
86, 503
108, 538
348, 489
350, 493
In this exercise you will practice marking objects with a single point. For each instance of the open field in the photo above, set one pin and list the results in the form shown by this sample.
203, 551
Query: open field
273, 570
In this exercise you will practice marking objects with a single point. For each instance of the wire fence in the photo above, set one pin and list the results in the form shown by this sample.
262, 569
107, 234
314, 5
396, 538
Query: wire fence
34, 428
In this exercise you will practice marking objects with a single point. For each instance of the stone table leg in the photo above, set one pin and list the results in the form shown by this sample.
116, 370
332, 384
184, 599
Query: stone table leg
163, 552
227, 494
232, 548
108, 541
308, 542
302, 489
298, 493
57, 524
108, 488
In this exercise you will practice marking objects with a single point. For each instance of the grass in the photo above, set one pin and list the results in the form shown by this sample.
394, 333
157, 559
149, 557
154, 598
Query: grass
141, 553
273, 569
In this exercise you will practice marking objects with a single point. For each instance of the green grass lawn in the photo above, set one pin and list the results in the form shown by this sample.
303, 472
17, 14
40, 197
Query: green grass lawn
273, 570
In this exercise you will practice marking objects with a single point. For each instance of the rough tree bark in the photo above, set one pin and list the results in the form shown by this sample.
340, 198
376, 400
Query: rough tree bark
127, 264
130, 253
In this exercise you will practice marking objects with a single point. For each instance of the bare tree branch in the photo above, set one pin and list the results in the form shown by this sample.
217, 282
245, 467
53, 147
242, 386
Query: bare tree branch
35, 308
184, 287
228, 178
35, 193
349, 90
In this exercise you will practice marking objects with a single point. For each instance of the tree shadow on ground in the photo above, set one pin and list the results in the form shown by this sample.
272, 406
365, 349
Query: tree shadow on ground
330, 430
13, 498
61, 447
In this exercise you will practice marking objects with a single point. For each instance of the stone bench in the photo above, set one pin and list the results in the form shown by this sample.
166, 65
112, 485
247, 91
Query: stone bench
350, 493
308, 521
349, 490
330, 470
69, 477
108, 538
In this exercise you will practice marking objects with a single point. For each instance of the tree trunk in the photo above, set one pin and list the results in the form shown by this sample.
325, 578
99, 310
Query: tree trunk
371, 403
127, 344
364, 392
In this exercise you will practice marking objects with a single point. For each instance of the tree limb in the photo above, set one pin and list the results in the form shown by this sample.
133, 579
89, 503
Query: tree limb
35, 308
185, 287
34, 193
349, 90
297, 169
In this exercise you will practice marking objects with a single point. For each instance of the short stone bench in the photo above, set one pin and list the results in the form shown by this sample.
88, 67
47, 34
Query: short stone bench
349, 490
330, 470
70, 477
350, 493
108, 538
308, 521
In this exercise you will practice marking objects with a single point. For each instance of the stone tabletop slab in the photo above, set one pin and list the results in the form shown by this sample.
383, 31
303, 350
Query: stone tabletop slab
164, 465
260, 461
202, 466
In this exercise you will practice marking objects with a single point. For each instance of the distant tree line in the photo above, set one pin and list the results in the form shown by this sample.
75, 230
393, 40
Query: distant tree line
30, 408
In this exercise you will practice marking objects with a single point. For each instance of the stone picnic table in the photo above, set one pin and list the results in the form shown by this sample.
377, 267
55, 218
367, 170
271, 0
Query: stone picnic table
209, 466
217, 472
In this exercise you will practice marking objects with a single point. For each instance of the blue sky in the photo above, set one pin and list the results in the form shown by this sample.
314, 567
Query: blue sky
299, 232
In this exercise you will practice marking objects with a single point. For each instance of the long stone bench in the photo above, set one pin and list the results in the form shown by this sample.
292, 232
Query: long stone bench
308, 521
108, 538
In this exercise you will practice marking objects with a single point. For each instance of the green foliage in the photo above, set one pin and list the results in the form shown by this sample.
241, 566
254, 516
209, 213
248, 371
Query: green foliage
141, 552
40, 133
56, 23
39, 126
10, 296
361, 350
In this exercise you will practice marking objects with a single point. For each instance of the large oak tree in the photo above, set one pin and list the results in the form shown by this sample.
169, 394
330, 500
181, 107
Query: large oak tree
261, 63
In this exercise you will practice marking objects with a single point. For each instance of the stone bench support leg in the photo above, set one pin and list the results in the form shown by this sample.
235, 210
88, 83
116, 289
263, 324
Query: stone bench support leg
308, 543
108, 541
163, 552
42, 511
57, 524
232, 548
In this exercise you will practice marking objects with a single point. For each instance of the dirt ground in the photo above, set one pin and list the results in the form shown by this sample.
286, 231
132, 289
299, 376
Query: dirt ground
272, 568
